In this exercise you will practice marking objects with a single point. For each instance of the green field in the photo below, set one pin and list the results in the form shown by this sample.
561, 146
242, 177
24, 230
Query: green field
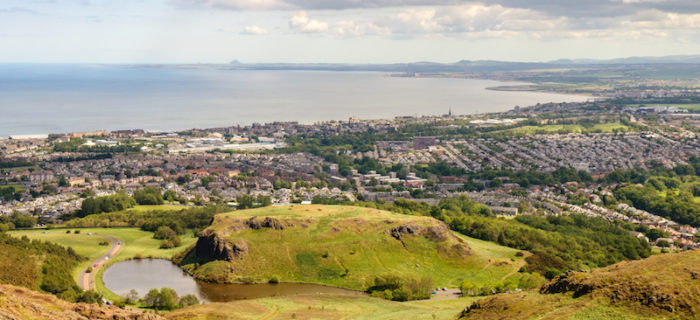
568, 128
690, 106
136, 242
347, 246
324, 307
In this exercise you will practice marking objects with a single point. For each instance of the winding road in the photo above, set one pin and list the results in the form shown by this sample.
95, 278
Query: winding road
86, 280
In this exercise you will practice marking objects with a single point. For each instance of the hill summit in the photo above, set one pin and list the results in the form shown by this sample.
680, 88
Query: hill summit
336, 245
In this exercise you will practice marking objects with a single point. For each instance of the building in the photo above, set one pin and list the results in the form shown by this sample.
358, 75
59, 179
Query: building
423, 143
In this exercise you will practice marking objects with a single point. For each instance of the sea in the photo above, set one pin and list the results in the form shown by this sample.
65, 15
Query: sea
62, 98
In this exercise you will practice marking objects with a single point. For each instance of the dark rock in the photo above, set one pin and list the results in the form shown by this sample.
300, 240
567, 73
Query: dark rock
216, 247
269, 223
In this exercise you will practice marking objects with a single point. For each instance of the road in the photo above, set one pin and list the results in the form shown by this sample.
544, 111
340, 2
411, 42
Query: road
86, 280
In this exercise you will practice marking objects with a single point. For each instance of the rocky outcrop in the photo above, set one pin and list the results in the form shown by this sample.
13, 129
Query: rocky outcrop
635, 289
437, 233
214, 246
269, 223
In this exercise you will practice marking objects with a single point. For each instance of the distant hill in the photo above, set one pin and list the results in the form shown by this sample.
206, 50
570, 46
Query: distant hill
22, 303
341, 246
471, 65
660, 287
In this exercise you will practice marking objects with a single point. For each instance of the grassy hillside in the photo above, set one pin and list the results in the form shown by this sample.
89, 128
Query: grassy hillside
21, 303
136, 243
341, 246
660, 287
322, 307
38, 265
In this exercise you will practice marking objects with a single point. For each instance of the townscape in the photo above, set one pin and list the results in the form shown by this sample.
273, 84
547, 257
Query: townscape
483, 156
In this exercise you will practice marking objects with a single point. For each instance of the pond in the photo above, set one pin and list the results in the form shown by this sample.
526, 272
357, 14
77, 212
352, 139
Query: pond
146, 274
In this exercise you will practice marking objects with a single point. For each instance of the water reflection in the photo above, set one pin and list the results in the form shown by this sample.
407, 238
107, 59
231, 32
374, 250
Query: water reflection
144, 275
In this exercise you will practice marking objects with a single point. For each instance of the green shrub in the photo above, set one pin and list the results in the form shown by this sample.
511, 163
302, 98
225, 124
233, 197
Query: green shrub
401, 288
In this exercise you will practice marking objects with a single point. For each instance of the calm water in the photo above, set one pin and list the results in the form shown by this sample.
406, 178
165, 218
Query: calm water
144, 275
37, 99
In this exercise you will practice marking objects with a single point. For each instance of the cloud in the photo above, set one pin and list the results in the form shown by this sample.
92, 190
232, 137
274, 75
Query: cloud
567, 8
301, 22
254, 30
17, 10
351, 28
233, 4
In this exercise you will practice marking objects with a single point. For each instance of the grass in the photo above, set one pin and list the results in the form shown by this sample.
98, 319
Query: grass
135, 242
323, 307
568, 128
620, 291
347, 246
82, 243
689, 106
163, 207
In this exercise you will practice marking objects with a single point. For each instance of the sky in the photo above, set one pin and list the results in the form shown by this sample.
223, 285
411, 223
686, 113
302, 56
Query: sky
347, 31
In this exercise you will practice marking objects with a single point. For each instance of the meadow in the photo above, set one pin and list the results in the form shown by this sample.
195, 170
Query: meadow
348, 246
135, 243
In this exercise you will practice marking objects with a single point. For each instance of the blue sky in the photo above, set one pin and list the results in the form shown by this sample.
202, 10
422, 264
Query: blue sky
354, 31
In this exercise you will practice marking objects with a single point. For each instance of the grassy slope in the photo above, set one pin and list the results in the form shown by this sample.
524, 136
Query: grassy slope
620, 291
356, 239
574, 128
22, 303
136, 242
323, 307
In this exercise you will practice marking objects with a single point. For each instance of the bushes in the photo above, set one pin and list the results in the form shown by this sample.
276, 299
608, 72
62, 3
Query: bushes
148, 196
116, 202
167, 299
170, 237
680, 208
397, 288
21, 256
523, 282
178, 221
90, 296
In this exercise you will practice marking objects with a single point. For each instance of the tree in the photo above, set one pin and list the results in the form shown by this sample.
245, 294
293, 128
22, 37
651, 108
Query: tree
188, 300
168, 299
152, 298
170, 195
90, 296
164, 232
23, 220
131, 297
148, 196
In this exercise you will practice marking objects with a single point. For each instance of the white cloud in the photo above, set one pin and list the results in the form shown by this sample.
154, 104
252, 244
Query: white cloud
254, 30
300, 21
235, 4
351, 28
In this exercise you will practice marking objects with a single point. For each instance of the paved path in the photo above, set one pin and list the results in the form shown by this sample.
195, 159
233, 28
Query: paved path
86, 280
449, 294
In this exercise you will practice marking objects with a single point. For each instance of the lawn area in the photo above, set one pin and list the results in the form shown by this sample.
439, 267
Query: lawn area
324, 307
163, 207
568, 128
136, 242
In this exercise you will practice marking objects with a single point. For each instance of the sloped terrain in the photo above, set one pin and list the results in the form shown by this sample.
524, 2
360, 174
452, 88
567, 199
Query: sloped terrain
660, 287
340, 246
18, 303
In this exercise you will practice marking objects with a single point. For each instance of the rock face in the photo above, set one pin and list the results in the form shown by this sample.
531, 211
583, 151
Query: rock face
216, 247
438, 233
269, 223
